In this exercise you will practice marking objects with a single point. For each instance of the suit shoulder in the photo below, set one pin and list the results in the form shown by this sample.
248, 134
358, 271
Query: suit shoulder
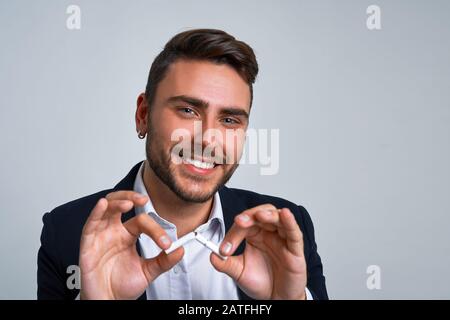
252, 199
61, 232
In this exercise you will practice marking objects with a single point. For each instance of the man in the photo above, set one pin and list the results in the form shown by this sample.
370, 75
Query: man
118, 237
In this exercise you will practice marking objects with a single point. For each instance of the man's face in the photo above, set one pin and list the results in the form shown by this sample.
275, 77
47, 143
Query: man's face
202, 107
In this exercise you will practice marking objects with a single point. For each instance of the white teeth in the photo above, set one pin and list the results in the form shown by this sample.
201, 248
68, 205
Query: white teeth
199, 164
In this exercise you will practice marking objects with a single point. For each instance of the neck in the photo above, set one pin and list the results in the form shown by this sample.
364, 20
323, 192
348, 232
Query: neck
186, 216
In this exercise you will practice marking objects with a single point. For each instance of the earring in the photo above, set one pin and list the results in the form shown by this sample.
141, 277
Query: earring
141, 135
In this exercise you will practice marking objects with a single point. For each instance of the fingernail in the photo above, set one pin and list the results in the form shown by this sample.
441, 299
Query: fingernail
244, 217
268, 212
226, 248
165, 240
139, 196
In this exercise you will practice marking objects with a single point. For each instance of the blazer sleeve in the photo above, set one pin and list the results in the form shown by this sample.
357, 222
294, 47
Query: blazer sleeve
316, 279
51, 283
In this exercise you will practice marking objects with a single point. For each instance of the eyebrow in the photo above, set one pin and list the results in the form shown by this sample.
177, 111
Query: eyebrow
191, 100
199, 103
238, 112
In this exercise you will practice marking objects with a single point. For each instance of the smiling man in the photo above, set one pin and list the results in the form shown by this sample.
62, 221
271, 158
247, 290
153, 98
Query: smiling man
201, 80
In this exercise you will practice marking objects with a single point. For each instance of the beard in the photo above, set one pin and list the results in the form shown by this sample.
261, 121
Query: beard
164, 168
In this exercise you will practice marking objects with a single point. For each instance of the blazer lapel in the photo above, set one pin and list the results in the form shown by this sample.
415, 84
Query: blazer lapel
232, 206
127, 183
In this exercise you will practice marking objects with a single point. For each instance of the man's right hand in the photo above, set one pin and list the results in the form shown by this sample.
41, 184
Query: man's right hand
109, 263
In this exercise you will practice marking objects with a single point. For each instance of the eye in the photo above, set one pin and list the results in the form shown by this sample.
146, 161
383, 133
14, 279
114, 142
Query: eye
187, 111
230, 121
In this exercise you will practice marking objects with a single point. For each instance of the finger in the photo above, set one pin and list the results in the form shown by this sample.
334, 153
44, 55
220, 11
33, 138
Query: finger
123, 201
99, 211
95, 216
137, 198
232, 266
116, 208
244, 225
161, 263
294, 236
267, 227
143, 223
268, 219
281, 233
252, 211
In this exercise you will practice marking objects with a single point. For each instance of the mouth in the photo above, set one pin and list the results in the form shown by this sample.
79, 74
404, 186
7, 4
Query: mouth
199, 165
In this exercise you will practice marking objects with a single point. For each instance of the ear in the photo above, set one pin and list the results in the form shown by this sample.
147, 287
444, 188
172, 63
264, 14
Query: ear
141, 114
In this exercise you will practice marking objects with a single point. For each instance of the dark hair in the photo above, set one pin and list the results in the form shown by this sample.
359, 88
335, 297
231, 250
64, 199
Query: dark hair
203, 44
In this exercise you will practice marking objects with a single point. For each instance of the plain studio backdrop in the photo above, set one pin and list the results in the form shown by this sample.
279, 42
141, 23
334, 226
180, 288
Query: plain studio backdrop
363, 117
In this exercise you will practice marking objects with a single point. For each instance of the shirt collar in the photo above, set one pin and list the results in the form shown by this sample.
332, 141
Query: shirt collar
216, 215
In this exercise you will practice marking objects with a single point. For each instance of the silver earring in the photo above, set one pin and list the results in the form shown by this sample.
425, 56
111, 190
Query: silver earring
141, 135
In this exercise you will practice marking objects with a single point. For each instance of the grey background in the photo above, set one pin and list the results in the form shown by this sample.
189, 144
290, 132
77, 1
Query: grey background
363, 118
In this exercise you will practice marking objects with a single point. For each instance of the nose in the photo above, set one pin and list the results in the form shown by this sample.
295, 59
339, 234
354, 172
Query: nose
209, 140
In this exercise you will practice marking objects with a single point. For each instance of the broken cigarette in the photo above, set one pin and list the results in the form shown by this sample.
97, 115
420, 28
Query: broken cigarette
180, 242
210, 245
191, 236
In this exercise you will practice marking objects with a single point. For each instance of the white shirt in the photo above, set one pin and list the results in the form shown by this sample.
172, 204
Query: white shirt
193, 277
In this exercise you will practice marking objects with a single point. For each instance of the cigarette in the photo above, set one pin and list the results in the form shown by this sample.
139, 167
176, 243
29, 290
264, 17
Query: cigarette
210, 245
191, 236
180, 242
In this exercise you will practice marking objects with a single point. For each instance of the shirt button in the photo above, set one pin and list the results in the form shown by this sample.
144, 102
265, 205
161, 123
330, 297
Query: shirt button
176, 269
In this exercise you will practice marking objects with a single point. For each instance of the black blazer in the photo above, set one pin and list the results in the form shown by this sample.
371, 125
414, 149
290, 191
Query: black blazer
61, 233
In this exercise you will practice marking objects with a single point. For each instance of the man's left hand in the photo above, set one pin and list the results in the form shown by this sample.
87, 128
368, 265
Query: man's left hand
272, 265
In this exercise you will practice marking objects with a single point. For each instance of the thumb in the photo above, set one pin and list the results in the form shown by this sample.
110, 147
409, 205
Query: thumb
232, 266
161, 263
